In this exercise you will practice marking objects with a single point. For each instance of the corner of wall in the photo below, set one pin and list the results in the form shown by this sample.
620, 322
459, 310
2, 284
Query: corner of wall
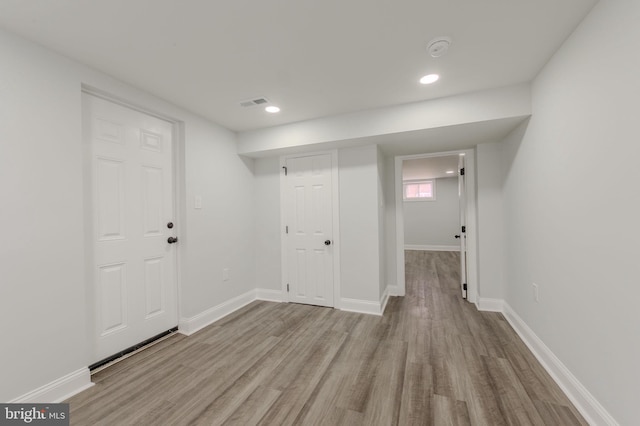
588, 406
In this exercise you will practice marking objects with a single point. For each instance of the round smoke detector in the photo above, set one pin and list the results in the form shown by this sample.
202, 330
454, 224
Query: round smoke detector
439, 46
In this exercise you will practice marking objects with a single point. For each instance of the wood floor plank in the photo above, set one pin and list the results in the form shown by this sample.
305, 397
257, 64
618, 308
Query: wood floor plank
415, 405
449, 412
251, 410
300, 387
432, 359
383, 404
554, 414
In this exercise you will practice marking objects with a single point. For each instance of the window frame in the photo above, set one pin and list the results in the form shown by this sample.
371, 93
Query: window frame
418, 181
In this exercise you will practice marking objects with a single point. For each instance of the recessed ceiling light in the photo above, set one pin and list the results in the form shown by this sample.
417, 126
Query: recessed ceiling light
272, 109
428, 79
449, 172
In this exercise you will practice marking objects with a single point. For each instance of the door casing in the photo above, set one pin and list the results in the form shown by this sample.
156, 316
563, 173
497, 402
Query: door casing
472, 269
335, 218
179, 203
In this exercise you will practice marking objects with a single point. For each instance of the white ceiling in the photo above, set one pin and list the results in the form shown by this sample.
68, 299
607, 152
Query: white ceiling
429, 168
312, 58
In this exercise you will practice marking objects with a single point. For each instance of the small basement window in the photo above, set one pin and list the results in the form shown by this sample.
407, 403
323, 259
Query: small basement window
419, 190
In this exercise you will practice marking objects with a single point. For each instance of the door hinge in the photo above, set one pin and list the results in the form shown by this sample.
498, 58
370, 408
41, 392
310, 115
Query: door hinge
288, 288
462, 171
285, 170
464, 229
464, 286
286, 229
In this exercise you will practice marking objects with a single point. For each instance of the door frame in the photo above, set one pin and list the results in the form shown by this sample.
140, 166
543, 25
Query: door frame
179, 202
335, 217
472, 231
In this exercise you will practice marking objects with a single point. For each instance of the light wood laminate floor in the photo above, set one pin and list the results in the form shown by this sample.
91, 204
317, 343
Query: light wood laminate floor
432, 359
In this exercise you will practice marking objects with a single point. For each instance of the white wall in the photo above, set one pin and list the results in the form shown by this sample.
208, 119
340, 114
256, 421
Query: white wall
359, 227
382, 238
267, 223
390, 222
571, 207
489, 180
221, 234
356, 128
43, 303
434, 223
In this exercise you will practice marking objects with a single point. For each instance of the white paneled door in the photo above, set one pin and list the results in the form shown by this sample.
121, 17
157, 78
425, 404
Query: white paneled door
309, 229
462, 196
132, 214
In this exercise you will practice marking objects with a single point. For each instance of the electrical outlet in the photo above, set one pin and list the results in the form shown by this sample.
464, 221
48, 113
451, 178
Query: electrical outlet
197, 202
536, 292
225, 274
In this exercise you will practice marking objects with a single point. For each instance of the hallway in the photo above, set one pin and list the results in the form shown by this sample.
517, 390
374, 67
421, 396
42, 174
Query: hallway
431, 359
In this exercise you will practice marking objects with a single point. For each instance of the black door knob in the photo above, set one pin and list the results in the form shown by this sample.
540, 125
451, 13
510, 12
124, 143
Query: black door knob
172, 240
327, 242
457, 236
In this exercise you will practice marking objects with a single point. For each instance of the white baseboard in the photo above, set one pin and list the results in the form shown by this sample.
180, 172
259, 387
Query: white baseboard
73, 383
593, 412
269, 295
393, 290
188, 326
383, 300
58, 390
361, 306
430, 247
490, 305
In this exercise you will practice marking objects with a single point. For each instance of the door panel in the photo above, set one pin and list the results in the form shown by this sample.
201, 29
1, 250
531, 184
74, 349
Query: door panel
152, 205
112, 283
132, 190
109, 192
154, 286
308, 201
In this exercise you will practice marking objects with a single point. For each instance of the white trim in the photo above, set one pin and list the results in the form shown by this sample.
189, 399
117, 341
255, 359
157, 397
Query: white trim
188, 326
490, 305
58, 390
472, 225
400, 284
361, 306
430, 247
472, 247
392, 289
592, 411
335, 201
383, 300
269, 295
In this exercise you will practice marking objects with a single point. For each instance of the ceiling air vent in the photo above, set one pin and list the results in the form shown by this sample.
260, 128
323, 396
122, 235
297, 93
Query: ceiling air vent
254, 102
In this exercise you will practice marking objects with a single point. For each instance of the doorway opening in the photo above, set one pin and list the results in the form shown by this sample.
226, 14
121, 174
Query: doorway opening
436, 211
